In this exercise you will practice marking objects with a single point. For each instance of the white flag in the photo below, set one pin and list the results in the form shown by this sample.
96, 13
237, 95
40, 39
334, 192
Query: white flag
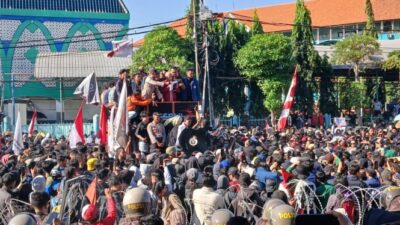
110, 140
18, 145
121, 119
121, 49
89, 90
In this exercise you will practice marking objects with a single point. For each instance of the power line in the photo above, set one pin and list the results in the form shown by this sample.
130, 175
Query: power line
98, 33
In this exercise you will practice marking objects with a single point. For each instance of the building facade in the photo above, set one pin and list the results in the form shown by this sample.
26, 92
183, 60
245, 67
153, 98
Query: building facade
30, 27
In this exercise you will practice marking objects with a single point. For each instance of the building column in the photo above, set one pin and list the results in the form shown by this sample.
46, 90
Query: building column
19, 107
60, 111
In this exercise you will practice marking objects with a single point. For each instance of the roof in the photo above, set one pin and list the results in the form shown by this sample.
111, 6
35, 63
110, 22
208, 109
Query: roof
97, 6
324, 13
78, 64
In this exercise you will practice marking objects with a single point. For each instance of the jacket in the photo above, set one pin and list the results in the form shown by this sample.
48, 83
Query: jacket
111, 214
151, 86
191, 92
135, 100
205, 202
262, 175
118, 87
354, 181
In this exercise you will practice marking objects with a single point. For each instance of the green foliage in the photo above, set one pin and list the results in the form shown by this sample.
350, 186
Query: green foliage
354, 50
256, 27
225, 42
265, 56
393, 61
352, 94
304, 55
272, 89
326, 87
370, 29
162, 49
266, 59
303, 41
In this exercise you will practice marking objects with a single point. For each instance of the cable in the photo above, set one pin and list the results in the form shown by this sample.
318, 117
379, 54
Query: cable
77, 41
102, 33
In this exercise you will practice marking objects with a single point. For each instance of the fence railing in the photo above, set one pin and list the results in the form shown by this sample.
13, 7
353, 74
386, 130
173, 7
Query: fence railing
236, 122
59, 130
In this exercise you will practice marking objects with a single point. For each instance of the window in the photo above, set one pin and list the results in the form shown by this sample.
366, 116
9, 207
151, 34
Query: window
324, 34
337, 32
387, 26
397, 25
361, 28
378, 26
350, 30
314, 31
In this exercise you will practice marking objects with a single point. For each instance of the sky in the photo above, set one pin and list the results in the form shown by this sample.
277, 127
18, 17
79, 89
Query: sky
146, 12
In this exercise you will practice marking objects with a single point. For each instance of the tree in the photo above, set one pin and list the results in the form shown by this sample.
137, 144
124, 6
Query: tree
162, 49
265, 59
393, 61
304, 54
354, 50
326, 88
256, 27
370, 29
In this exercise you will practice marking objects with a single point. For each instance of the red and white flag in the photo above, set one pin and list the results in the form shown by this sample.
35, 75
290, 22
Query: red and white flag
76, 135
31, 127
288, 102
102, 134
121, 49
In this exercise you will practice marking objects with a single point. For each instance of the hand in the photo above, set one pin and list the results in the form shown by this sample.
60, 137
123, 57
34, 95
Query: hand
107, 192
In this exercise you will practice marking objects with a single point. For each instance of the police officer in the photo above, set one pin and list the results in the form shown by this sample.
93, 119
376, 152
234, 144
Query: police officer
282, 215
23, 219
221, 217
136, 203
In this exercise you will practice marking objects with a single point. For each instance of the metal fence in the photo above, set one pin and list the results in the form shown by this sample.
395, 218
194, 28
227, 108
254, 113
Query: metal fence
59, 130
236, 122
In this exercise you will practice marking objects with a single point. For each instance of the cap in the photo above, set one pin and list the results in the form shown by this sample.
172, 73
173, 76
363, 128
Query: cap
282, 215
268, 206
90, 164
89, 212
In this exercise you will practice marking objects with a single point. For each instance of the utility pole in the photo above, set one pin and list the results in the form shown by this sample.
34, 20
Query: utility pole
196, 50
13, 97
206, 15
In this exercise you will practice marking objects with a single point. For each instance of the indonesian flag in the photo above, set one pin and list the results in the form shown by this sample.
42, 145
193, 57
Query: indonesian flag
121, 49
18, 145
31, 127
76, 134
103, 125
121, 119
288, 102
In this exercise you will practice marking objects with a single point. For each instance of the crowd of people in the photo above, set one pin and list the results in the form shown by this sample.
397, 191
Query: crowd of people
181, 171
155, 86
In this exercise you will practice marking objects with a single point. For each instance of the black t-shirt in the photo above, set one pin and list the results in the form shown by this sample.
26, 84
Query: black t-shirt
380, 216
142, 130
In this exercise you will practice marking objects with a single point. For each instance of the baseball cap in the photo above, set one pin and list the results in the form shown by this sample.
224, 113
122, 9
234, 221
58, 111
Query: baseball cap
282, 215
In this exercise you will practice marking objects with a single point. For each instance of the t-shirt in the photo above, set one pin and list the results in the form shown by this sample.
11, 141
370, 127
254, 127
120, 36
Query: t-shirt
142, 130
377, 106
